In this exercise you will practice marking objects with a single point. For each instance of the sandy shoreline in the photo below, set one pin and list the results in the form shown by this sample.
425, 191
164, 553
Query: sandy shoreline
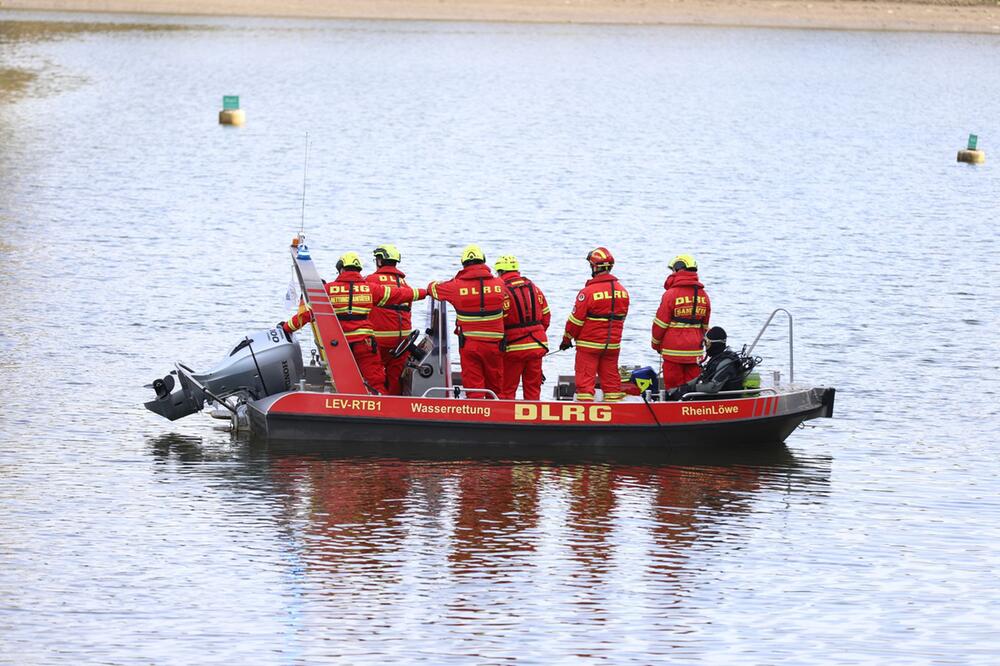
969, 16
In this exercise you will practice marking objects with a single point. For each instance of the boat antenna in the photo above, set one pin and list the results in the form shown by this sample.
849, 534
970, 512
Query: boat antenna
305, 170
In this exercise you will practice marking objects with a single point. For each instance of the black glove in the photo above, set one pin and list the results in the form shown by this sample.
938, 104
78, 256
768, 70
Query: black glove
565, 344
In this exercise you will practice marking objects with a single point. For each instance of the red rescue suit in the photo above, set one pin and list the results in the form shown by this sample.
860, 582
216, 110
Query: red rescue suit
353, 299
526, 317
679, 327
390, 325
477, 297
596, 323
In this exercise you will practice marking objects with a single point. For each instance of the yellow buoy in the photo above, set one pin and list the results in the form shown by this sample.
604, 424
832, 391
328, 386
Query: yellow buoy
232, 117
231, 113
971, 156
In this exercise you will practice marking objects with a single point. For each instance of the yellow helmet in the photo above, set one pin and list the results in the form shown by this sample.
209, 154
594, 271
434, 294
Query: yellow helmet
682, 261
387, 251
507, 262
472, 253
349, 260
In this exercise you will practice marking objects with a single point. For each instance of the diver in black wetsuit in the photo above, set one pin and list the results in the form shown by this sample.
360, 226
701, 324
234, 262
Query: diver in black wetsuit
723, 370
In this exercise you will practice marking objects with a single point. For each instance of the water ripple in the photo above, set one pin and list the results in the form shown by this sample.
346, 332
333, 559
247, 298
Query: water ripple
141, 232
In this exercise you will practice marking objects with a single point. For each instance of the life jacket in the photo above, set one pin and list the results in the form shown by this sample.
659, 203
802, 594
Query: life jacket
390, 322
682, 318
353, 299
598, 316
477, 297
526, 314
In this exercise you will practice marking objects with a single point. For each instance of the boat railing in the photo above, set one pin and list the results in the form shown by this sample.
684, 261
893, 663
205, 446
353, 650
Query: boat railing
741, 392
791, 344
456, 391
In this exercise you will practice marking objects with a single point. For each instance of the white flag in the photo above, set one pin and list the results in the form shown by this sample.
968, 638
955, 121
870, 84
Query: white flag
292, 296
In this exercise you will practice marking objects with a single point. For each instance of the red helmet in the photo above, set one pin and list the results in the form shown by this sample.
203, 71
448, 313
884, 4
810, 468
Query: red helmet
600, 258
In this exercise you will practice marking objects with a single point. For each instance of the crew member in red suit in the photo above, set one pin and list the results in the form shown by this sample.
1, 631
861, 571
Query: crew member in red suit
596, 324
681, 322
477, 297
353, 299
390, 322
526, 317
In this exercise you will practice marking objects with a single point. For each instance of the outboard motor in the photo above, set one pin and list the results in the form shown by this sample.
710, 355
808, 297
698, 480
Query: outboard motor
262, 364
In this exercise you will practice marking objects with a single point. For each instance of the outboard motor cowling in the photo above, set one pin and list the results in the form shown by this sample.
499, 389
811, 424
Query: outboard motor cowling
262, 364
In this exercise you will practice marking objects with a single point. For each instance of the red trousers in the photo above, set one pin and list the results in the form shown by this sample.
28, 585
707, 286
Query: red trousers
482, 366
393, 367
523, 366
675, 374
369, 363
603, 363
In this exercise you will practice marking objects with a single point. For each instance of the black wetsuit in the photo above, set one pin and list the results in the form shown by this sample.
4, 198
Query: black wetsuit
722, 372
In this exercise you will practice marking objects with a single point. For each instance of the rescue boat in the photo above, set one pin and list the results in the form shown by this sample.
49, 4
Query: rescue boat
265, 386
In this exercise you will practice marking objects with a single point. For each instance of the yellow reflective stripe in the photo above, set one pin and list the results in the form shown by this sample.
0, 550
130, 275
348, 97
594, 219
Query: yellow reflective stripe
483, 334
681, 352
574, 320
677, 324
392, 334
597, 345
658, 322
545, 310
584, 397
416, 293
385, 296
526, 345
355, 310
657, 342
360, 333
434, 290
477, 318
614, 397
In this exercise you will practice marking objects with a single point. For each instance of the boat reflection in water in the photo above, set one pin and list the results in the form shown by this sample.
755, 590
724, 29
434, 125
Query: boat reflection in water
380, 517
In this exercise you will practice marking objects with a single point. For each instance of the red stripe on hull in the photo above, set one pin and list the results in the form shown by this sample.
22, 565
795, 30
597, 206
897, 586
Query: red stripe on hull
509, 412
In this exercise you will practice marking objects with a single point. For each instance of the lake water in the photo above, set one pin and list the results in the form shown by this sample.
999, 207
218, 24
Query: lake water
813, 170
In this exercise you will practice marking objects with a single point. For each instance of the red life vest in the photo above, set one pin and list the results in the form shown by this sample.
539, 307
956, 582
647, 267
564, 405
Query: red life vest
526, 314
477, 297
390, 322
682, 318
353, 300
598, 316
